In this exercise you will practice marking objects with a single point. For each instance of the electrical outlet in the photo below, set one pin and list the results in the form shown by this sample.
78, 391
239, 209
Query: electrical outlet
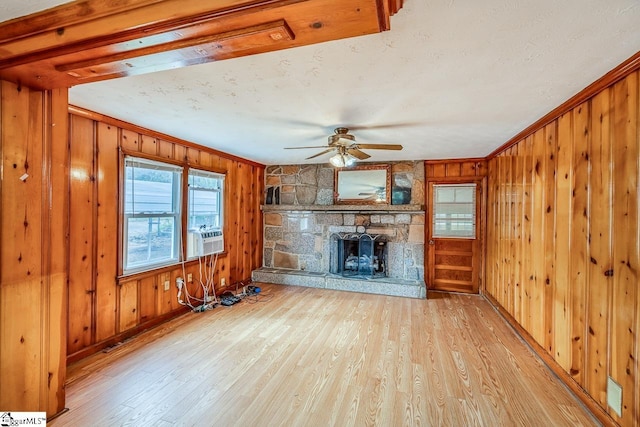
223, 282
167, 284
189, 277
614, 396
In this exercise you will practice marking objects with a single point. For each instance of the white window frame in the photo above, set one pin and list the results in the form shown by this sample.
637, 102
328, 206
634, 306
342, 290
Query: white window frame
190, 202
176, 214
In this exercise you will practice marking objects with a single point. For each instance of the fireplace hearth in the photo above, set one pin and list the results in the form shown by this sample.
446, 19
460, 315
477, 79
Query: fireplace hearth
359, 255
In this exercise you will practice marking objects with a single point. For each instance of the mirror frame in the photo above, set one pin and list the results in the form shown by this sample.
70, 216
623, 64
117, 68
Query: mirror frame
340, 180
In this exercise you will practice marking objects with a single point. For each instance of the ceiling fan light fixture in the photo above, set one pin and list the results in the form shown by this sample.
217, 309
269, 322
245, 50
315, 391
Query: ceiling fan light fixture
342, 160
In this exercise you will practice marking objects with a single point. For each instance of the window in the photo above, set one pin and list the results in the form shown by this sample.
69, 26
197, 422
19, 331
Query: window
454, 210
205, 202
152, 205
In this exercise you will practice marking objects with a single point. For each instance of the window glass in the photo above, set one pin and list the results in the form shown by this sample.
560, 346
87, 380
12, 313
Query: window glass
151, 214
205, 195
454, 211
205, 204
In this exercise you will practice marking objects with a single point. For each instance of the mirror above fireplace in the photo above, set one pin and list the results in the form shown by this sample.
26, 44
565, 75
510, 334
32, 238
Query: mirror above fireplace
363, 185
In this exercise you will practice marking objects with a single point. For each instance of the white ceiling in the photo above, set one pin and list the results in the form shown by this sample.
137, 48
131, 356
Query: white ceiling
451, 79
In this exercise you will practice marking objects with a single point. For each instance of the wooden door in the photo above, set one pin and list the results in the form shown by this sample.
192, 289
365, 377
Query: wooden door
454, 236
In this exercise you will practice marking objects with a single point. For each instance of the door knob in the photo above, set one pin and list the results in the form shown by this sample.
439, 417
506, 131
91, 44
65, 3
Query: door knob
431, 242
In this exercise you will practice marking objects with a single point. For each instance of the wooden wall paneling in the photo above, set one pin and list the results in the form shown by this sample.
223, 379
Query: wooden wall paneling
21, 333
58, 205
148, 298
439, 170
82, 234
173, 292
231, 221
504, 230
562, 291
536, 283
165, 149
148, 145
519, 235
508, 237
452, 169
579, 238
600, 236
128, 304
258, 217
193, 157
468, 169
107, 229
179, 152
130, 141
164, 295
245, 201
498, 229
549, 242
33, 263
205, 159
493, 231
624, 315
527, 248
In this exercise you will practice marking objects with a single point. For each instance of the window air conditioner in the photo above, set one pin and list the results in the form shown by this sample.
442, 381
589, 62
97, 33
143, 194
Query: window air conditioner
205, 242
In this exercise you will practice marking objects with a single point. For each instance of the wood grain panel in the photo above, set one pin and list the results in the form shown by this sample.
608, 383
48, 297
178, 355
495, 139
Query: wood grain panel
82, 243
107, 228
549, 240
55, 297
130, 140
519, 218
564, 191
624, 336
21, 321
33, 262
148, 298
148, 145
527, 241
128, 305
579, 238
600, 236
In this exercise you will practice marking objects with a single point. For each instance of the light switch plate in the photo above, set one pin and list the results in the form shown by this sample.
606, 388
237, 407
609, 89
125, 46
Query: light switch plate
167, 284
614, 396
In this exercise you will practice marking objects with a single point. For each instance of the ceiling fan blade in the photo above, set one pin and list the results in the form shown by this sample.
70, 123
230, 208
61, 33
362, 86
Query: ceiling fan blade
320, 154
357, 153
383, 126
297, 148
380, 146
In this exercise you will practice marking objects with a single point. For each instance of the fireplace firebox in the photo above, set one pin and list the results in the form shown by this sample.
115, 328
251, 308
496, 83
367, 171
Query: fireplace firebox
359, 255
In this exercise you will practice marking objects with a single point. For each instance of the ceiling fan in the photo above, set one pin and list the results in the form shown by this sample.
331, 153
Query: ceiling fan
346, 148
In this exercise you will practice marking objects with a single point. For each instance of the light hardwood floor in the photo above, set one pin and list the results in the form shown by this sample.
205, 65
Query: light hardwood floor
312, 357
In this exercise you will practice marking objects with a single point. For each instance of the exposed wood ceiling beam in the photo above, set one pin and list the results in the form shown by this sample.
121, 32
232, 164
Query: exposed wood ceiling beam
93, 40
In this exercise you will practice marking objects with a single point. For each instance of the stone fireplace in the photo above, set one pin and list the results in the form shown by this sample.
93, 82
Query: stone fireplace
301, 234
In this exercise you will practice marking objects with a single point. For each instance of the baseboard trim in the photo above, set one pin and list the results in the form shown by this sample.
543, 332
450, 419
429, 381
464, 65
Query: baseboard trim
92, 349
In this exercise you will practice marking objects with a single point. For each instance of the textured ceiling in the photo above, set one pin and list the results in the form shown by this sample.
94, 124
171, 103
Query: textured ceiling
451, 79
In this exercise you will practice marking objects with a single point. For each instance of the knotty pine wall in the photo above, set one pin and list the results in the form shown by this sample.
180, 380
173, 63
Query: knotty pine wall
563, 254
33, 256
104, 308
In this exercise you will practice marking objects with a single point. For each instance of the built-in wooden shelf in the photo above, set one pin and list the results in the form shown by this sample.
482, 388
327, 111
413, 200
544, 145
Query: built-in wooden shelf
345, 208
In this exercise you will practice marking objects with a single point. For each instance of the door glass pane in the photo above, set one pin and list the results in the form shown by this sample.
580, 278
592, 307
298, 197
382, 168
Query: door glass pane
454, 211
